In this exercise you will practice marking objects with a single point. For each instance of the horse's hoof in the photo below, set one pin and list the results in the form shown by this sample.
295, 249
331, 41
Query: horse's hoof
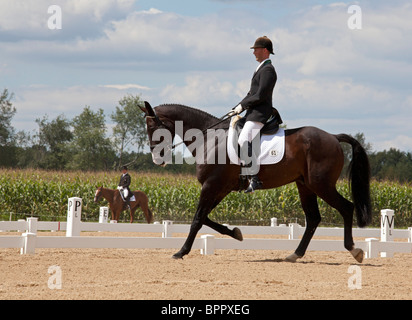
237, 234
292, 258
178, 255
357, 254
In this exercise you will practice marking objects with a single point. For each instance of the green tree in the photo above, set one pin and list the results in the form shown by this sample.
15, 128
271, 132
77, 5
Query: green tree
7, 112
130, 128
90, 148
392, 165
7, 146
54, 137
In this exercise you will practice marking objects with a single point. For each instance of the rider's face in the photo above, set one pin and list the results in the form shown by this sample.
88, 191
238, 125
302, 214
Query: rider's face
260, 54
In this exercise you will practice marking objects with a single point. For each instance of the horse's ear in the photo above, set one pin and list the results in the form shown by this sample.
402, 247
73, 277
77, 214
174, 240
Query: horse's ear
147, 109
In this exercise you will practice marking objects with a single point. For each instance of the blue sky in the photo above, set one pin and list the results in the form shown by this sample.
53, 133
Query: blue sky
197, 53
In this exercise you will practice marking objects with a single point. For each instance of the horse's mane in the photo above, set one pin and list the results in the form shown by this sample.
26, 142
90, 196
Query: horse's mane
195, 110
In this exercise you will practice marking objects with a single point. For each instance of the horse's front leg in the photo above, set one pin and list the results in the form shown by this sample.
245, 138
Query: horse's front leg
210, 197
197, 223
234, 233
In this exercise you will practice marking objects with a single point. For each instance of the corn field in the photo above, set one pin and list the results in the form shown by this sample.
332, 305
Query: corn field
44, 194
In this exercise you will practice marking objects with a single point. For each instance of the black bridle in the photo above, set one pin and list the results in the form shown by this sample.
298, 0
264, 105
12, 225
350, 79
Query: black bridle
161, 124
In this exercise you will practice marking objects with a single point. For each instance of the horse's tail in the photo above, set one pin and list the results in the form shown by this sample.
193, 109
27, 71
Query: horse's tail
359, 178
145, 206
149, 218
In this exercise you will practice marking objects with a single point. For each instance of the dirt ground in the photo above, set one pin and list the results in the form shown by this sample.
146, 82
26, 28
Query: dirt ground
123, 274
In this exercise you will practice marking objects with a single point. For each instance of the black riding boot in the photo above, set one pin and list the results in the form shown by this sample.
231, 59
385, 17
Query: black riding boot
254, 184
252, 169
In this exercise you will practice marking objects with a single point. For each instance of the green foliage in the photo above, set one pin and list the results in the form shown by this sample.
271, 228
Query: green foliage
7, 112
83, 143
130, 128
392, 165
90, 148
175, 197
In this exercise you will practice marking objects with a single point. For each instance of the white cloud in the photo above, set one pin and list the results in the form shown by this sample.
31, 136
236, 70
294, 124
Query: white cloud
199, 90
328, 75
401, 142
36, 101
125, 86
28, 19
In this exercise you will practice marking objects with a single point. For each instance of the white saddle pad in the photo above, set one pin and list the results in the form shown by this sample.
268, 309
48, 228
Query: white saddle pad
131, 199
272, 147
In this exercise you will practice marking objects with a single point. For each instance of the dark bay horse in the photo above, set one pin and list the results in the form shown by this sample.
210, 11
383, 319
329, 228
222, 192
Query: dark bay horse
117, 205
313, 160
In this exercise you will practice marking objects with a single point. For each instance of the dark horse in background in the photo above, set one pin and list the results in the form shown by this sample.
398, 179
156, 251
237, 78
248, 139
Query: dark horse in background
117, 205
313, 160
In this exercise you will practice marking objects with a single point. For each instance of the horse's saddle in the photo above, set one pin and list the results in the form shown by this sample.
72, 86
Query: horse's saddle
130, 197
272, 140
271, 126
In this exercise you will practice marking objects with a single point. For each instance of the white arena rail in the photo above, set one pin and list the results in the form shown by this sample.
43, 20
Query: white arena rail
29, 240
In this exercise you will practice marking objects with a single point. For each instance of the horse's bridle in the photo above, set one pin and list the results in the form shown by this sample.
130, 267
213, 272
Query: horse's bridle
162, 125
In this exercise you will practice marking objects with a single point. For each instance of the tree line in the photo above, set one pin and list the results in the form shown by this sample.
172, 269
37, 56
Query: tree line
85, 143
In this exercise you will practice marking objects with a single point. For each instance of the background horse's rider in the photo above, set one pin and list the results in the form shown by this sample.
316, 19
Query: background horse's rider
258, 103
124, 184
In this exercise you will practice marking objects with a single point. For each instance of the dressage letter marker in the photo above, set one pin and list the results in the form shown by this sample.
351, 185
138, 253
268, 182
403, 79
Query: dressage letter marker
103, 214
74, 213
387, 226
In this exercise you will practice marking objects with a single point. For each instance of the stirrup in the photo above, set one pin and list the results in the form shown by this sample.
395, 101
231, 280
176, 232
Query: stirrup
255, 184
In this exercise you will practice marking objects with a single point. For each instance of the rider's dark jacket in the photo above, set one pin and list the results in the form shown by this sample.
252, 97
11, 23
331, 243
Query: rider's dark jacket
125, 181
258, 101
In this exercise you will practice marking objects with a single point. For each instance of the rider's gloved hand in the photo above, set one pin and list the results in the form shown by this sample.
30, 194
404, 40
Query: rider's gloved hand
238, 109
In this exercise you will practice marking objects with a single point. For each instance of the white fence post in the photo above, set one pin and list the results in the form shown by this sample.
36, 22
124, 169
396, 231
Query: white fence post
208, 244
387, 226
74, 213
103, 214
32, 225
372, 251
29, 243
167, 230
294, 231
273, 222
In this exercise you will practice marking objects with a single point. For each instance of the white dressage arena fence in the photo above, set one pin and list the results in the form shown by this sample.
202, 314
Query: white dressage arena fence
377, 241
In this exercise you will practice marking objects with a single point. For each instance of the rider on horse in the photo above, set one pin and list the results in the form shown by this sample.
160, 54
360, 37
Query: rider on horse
124, 184
258, 103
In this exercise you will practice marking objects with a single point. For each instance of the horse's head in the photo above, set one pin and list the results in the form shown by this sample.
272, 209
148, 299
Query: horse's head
161, 131
98, 194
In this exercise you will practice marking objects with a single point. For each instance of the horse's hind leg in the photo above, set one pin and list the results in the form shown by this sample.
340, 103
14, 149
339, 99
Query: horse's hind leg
132, 212
310, 206
144, 205
345, 208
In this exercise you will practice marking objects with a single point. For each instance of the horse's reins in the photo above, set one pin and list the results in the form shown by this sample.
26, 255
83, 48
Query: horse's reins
228, 115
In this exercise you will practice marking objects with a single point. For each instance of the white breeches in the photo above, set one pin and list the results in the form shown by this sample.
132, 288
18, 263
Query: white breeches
250, 130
